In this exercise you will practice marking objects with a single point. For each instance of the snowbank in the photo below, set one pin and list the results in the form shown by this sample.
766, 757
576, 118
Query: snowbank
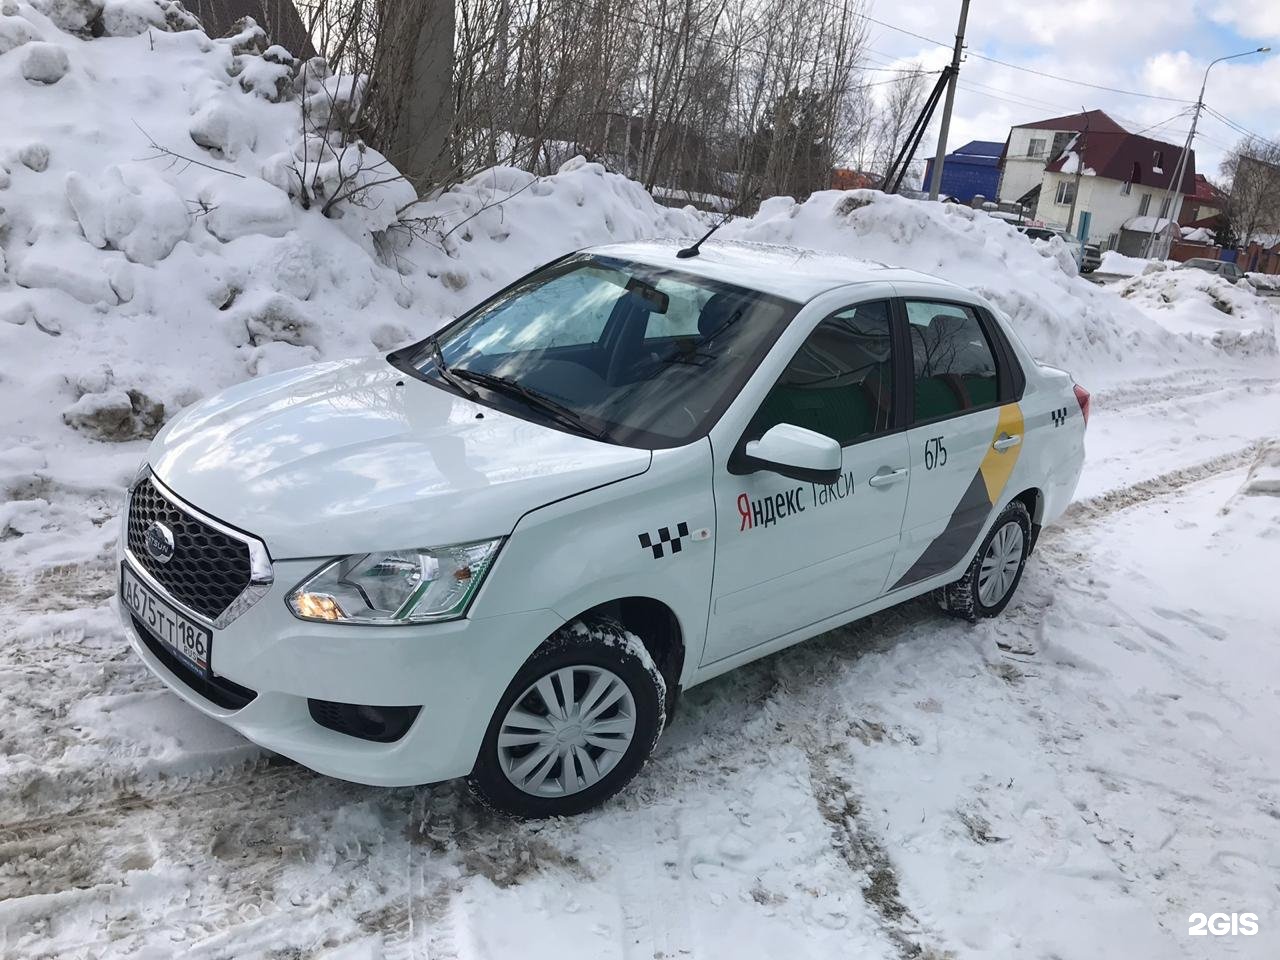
1063, 319
1202, 306
1115, 262
155, 246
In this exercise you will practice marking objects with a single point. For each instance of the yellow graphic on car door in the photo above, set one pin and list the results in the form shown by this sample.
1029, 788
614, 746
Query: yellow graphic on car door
956, 540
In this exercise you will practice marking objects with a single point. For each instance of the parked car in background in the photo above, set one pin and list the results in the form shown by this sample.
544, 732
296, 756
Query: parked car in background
1227, 271
1088, 256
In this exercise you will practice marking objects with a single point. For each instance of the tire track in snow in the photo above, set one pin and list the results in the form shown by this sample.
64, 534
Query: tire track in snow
1178, 387
854, 841
1096, 508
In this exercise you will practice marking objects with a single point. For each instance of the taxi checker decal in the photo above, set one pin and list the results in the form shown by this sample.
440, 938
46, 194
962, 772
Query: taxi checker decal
950, 546
665, 538
1059, 416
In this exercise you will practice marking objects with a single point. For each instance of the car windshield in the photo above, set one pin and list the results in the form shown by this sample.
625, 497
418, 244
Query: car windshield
629, 353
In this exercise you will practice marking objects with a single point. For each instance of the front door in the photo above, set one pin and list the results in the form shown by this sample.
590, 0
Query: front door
790, 553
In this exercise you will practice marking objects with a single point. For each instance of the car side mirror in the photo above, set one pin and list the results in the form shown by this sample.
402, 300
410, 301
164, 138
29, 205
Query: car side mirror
796, 453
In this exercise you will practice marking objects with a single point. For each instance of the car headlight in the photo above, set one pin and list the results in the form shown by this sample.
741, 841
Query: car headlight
416, 585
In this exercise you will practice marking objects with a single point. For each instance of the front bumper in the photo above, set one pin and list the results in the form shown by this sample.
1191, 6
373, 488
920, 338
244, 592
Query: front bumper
457, 671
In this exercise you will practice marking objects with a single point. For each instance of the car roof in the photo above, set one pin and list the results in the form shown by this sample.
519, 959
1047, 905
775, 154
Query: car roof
793, 273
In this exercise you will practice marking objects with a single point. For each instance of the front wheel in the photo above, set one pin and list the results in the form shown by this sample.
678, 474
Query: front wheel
575, 725
991, 579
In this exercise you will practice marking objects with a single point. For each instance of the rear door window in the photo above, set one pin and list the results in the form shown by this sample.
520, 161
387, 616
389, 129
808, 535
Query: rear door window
953, 364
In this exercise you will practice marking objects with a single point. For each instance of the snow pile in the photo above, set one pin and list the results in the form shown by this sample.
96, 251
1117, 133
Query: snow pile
157, 243
1062, 319
1205, 307
1264, 281
1115, 262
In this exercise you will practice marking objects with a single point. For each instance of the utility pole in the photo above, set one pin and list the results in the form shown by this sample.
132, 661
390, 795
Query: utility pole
941, 156
1080, 148
1176, 183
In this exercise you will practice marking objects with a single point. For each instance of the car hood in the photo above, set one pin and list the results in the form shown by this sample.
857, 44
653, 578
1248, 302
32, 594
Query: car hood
355, 456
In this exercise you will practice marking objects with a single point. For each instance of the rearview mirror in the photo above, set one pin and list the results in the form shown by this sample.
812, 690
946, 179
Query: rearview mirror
796, 453
654, 299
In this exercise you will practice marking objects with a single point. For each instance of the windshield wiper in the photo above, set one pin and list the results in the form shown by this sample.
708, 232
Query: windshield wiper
447, 372
533, 398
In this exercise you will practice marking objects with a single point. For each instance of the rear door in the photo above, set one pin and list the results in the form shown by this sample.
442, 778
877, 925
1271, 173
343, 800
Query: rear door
966, 431
791, 553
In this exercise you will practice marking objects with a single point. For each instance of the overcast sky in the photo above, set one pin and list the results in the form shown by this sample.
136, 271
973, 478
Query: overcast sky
1151, 47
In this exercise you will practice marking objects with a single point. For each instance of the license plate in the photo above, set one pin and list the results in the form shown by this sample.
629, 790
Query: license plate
190, 641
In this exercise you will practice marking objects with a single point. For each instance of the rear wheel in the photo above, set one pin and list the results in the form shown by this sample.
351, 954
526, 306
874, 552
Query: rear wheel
574, 726
991, 579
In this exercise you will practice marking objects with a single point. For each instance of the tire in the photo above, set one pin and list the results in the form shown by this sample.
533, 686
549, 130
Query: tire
973, 596
524, 775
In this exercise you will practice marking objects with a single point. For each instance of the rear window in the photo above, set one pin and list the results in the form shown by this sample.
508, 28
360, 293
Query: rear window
954, 365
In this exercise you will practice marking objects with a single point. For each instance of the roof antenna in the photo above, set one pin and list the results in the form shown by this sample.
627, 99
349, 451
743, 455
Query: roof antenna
692, 249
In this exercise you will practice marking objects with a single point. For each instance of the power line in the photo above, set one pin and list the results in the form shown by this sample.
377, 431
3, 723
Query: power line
1015, 66
1176, 116
880, 83
1027, 102
1238, 127
1082, 83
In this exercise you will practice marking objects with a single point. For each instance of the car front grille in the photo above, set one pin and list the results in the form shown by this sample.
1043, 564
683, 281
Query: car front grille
209, 568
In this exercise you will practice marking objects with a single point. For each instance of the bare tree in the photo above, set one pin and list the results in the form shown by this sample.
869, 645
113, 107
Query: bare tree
1253, 205
695, 98
903, 98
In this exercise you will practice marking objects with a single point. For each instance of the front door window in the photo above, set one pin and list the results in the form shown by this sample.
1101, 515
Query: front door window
840, 383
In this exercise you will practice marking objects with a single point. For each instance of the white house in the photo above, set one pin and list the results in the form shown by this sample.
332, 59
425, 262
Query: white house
1118, 175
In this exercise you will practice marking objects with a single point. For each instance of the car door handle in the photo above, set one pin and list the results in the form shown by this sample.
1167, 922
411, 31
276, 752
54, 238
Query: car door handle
1006, 442
884, 479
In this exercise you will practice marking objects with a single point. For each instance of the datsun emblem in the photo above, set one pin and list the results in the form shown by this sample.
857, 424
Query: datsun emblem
159, 542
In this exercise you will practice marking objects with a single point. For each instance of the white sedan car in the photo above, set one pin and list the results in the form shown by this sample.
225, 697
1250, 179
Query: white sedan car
501, 553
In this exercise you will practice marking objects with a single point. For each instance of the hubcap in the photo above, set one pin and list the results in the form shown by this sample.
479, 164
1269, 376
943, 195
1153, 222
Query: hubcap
566, 731
1000, 564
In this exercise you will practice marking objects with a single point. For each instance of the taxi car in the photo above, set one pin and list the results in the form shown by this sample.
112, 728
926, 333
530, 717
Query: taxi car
502, 552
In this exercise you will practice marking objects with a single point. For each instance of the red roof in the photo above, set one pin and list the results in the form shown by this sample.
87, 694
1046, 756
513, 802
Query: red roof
1095, 120
1126, 156
1206, 192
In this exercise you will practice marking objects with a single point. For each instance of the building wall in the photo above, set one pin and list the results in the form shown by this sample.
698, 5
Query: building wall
964, 179
1183, 251
1018, 177
1023, 172
1103, 198
1193, 210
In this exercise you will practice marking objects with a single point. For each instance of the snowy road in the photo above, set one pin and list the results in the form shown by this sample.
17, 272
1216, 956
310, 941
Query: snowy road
1071, 780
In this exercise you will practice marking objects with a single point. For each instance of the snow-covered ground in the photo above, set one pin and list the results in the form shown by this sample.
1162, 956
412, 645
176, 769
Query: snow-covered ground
1070, 780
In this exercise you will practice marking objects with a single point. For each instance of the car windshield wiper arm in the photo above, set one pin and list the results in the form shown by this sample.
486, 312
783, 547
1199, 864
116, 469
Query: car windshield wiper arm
537, 400
447, 372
